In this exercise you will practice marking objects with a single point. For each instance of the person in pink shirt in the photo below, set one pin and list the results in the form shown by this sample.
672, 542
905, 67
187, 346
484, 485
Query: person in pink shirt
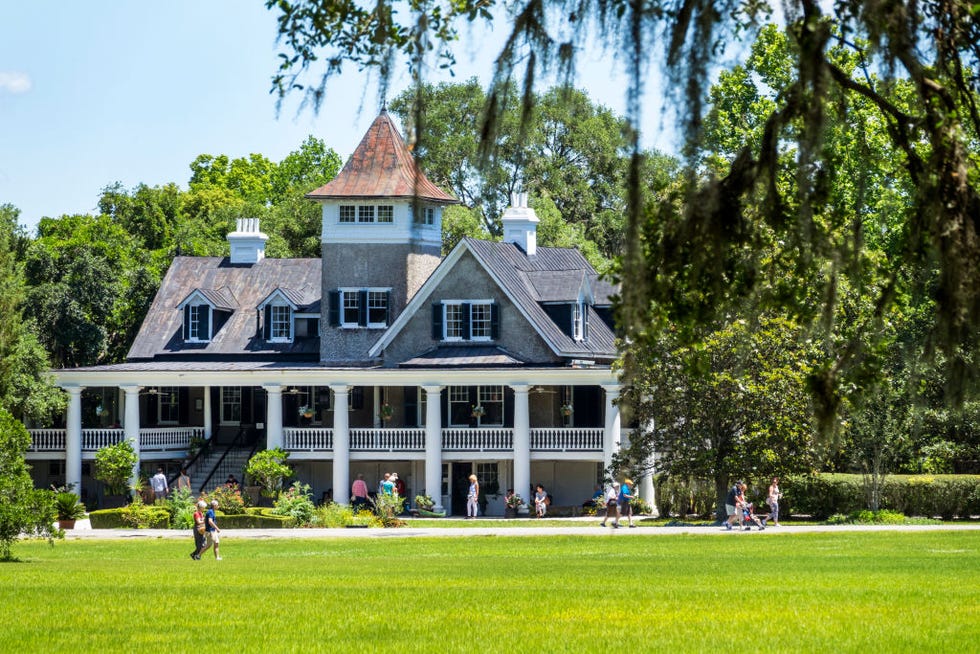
359, 493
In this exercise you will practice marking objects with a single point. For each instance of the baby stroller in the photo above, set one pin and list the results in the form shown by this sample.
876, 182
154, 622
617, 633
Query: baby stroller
749, 516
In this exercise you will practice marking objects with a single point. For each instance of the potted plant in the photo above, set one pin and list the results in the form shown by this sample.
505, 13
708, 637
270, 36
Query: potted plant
306, 411
426, 507
69, 508
386, 412
512, 504
114, 466
567, 410
267, 469
477, 411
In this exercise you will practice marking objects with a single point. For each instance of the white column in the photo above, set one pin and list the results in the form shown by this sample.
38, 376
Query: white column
647, 492
522, 441
341, 444
207, 413
433, 444
273, 416
131, 425
611, 433
73, 439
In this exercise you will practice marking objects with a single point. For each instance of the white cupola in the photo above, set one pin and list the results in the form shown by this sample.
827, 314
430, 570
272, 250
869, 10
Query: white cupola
521, 224
247, 242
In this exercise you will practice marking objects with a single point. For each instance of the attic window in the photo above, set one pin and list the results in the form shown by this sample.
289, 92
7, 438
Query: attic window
470, 320
578, 321
279, 323
197, 323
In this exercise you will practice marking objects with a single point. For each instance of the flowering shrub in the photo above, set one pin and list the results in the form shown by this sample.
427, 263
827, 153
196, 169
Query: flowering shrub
229, 499
515, 501
297, 504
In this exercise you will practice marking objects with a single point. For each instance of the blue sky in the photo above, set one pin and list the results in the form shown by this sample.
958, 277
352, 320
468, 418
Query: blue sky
102, 91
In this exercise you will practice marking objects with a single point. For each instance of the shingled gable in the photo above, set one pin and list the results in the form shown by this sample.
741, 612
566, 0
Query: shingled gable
381, 167
510, 268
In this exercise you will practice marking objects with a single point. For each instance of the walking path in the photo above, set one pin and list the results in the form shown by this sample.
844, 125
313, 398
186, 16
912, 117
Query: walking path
575, 527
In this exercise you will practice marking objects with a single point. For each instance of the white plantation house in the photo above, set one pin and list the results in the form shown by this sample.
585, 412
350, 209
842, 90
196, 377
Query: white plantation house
380, 356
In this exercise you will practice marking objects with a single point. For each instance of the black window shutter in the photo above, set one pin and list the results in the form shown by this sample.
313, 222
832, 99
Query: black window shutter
362, 308
333, 308
205, 313
267, 330
387, 307
410, 393
152, 413
357, 398
464, 321
187, 321
508, 407
437, 322
247, 416
474, 393
495, 321
183, 405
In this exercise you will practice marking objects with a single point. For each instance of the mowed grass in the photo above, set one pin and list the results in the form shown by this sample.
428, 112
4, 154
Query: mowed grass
841, 592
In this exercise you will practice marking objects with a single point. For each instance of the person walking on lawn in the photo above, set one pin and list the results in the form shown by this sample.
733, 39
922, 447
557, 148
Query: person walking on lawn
625, 501
733, 505
199, 527
211, 531
612, 506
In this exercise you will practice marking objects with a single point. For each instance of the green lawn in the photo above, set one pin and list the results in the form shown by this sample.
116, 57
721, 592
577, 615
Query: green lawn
841, 592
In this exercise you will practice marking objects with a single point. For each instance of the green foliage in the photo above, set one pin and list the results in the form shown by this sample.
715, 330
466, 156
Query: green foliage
684, 495
332, 516
23, 509
181, 505
296, 504
230, 499
424, 502
263, 520
823, 495
68, 506
144, 517
387, 508
268, 469
114, 465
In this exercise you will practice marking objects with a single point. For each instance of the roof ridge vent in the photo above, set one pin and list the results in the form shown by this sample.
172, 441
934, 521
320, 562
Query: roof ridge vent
247, 242
521, 224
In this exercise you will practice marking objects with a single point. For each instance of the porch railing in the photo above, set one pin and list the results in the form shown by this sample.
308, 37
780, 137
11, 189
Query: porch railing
156, 439
388, 440
307, 439
96, 439
478, 440
566, 439
169, 438
47, 440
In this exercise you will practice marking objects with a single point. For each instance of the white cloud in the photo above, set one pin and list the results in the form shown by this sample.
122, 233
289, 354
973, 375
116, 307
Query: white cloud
14, 82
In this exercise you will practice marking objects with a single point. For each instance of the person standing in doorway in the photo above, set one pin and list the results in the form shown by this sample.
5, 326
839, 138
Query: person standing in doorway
158, 483
472, 497
211, 531
773, 501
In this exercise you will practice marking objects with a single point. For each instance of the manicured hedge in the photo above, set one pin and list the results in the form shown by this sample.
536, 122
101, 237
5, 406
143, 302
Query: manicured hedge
252, 521
113, 518
824, 495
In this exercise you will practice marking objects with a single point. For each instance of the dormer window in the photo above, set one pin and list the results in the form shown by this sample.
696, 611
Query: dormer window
197, 322
280, 323
578, 321
279, 315
465, 320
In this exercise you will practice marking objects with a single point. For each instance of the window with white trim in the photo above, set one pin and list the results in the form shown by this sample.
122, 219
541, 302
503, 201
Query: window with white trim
168, 406
425, 216
480, 314
460, 410
365, 213
199, 321
386, 213
466, 320
281, 323
350, 308
578, 321
348, 213
492, 401
453, 321
377, 308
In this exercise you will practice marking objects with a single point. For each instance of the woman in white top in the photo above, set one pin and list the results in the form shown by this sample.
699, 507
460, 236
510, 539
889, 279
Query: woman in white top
472, 497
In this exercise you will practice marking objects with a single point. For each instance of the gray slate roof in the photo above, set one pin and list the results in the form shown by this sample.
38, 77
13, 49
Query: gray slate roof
462, 356
552, 275
161, 332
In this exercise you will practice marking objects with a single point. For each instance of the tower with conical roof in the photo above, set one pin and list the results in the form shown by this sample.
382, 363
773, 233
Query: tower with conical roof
381, 239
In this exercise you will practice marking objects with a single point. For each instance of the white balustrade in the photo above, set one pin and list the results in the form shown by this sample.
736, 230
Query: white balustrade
307, 439
398, 439
566, 439
47, 440
95, 439
168, 438
482, 439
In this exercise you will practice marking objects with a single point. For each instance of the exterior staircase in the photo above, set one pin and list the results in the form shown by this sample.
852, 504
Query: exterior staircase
211, 469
